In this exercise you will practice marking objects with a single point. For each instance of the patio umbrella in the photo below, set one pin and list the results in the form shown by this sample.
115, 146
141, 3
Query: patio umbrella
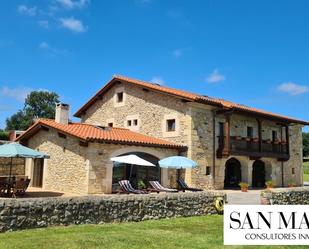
177, 162
133, 160
15, 150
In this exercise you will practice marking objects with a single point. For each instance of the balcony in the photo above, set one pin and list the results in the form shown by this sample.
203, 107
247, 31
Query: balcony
252, 147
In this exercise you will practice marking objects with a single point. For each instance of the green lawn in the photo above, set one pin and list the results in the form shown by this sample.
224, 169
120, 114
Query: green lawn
194, 232
306, 171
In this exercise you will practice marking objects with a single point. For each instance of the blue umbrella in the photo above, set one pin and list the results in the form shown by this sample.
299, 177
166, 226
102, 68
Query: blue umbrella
17, 150
177, 162
12, 150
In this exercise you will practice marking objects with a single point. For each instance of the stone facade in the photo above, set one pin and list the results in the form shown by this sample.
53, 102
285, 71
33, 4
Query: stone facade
18, 166
73, 168
150, 108
66, 170
85, 170
27, 213
195, 128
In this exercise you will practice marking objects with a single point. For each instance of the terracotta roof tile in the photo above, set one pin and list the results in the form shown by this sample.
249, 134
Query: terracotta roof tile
91, 133
221, 103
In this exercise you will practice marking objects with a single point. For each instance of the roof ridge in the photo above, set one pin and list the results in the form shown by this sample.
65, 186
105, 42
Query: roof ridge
118, 76
186, 95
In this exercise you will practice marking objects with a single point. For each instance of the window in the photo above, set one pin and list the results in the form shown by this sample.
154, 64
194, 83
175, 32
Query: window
110, 124
293, 171
249, 131
135, 122
170, 125
120, 97
208, 170
129, 122
221, 129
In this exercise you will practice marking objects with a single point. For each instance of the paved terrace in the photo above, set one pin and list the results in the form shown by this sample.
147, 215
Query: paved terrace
236, 197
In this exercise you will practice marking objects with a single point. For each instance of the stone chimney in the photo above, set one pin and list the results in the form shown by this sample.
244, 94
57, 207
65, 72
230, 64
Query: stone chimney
62, 113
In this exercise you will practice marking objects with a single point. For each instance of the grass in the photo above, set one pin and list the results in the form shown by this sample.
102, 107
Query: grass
194, 232
306, 171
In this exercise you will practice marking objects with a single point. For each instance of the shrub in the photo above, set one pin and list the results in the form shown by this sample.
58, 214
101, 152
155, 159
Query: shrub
4, 135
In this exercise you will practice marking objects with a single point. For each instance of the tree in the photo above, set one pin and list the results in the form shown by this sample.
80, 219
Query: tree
4, 135
305, 144
38, 104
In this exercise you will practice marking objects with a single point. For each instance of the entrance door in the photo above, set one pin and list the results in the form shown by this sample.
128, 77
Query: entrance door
232, 173
38, 168
258, 174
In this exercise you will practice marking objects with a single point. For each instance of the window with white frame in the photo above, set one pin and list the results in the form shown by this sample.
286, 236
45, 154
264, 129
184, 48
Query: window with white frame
170, 125
119, 96
132, 122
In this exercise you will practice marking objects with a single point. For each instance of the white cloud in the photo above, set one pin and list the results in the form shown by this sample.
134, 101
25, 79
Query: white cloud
44, 45
19, 93
50, 51
157, 80
215, 77
177, 53
73, 24
292, 88
28, 11
44, 24
71, 4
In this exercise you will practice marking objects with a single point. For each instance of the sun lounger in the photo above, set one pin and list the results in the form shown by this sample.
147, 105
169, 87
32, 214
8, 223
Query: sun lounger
183, 186
126, 187
157, 187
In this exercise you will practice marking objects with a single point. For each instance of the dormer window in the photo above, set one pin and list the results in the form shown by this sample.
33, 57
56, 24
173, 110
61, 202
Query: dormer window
120, 97
170, 125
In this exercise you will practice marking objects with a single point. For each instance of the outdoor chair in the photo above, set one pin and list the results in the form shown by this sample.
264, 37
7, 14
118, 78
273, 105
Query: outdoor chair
20, 187
184, 187
126, 188
157, 187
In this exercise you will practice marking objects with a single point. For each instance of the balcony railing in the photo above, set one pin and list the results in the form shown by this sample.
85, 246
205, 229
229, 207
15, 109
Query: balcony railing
252, 147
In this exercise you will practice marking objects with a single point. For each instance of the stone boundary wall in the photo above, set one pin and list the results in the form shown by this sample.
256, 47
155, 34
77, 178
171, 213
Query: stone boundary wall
286, 196
17, 214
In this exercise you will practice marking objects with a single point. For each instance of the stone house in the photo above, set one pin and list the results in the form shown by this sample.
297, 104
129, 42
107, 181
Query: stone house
230, 142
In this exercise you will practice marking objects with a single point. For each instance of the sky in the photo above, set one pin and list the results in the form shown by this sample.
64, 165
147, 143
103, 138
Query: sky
251, 52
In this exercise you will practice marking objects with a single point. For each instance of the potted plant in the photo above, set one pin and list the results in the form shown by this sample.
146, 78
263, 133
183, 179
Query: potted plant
244, 186
141, 184
269, 184
291, 184
265, 197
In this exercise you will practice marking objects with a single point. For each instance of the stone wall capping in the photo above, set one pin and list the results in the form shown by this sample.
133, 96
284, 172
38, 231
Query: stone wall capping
26, 213
286, 196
